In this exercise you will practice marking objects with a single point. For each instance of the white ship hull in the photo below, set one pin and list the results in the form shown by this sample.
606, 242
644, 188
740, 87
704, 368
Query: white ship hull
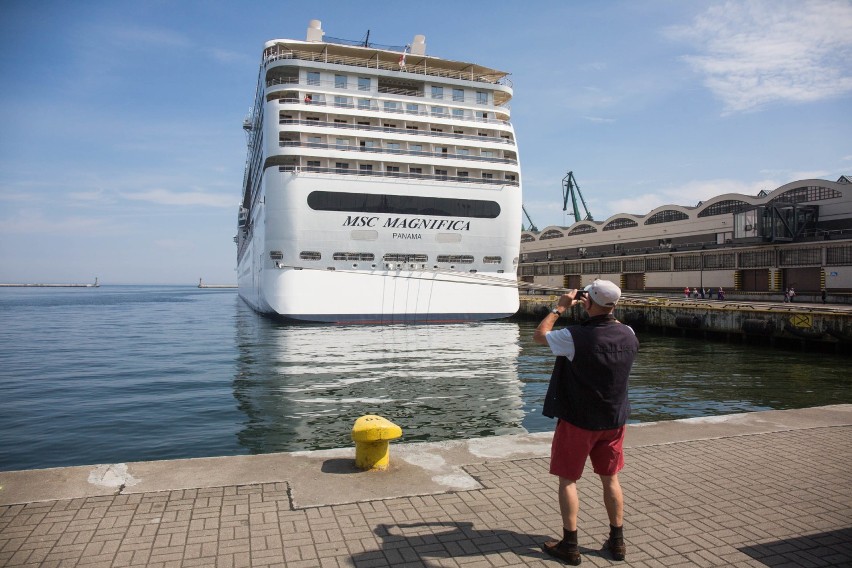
345, 291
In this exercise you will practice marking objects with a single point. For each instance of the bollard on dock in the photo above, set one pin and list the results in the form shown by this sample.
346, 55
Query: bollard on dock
372, 435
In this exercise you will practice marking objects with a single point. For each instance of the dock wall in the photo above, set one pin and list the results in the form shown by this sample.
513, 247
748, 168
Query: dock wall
738, 319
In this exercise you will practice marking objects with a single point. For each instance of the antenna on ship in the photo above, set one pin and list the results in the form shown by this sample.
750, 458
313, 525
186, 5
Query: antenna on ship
367, 39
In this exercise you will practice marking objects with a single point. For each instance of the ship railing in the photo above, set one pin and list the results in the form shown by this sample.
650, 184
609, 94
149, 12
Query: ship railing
377, 150
346, 89
373, 106
392, 130
392, 64
402, 175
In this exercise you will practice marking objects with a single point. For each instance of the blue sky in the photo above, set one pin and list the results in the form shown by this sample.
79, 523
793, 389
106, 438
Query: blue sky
122, 150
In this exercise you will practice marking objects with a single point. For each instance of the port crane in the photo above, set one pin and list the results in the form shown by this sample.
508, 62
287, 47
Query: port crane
571, 188
532, 228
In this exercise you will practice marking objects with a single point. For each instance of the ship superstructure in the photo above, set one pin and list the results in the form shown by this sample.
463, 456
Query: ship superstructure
382, 185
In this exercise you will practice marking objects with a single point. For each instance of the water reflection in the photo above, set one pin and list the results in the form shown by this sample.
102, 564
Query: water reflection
302, 387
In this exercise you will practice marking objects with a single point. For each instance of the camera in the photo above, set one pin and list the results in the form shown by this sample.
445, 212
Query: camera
580, 294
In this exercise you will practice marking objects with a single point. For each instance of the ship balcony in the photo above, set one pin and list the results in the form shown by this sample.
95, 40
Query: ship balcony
287, 165
412, 153
395, 130
371, 105
325, 54
333, 88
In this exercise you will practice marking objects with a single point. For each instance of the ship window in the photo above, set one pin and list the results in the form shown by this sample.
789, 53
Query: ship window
440, 172
392, 169
363, 256
342, 102
456, 258
366, 167
404, 205
458, 94
400, 257
458, 113
415, 147
364, 103
363, 83
416, 170
412, 128
342, 142
437, 92
481, 98
276, 255
509, 177
340, 81
462, 151
310, 255
313, 165
463, 174
412, 108
486, 175
487, 153
439, 111
492, 259
313, 78
341, 166
392, 145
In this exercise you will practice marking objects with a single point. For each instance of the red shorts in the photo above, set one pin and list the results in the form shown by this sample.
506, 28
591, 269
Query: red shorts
572, 445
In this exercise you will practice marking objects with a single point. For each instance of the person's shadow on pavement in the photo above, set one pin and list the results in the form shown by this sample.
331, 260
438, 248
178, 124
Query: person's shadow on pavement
414, 544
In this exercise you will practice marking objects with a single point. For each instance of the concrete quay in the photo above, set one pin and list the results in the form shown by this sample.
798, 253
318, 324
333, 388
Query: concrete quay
760, 489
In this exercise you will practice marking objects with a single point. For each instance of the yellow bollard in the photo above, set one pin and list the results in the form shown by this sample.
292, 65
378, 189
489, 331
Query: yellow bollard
371, 435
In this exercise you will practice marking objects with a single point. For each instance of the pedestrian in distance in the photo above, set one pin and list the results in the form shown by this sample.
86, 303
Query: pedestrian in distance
588, 395
686, 293
720, 294
786, 295
792, 294
823, 294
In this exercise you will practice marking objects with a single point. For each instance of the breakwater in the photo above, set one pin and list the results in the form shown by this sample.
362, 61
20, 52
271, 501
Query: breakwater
829, 324
92, 285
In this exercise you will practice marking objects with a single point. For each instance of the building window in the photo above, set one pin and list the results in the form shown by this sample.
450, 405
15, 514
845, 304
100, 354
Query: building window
809, 193
551, 234
621, 223
839, 255
800, 257
437, 92
666, 216
580, 229
313, 78
658, 264
757, 259
722, 208
363, 83
340, 81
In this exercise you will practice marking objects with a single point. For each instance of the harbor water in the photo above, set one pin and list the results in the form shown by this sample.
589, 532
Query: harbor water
130, 373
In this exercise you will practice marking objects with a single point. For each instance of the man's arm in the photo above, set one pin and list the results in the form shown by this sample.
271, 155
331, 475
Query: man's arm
546, 325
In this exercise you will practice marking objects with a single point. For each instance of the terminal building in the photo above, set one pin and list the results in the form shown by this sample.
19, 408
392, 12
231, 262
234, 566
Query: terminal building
798, 235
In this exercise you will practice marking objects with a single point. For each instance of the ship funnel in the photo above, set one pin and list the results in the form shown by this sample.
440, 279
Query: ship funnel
315, 32
418, 46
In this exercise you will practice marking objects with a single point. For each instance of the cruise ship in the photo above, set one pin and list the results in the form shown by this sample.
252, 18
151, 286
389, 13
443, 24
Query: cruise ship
382, 185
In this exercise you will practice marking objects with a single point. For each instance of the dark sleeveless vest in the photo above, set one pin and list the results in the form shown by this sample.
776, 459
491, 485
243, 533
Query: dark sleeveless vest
590, 391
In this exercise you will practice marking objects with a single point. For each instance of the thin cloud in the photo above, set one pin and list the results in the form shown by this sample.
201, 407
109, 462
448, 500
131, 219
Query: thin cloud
165, 197
752, 54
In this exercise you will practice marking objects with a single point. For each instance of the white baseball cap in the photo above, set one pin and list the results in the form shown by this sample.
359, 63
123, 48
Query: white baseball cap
604, 293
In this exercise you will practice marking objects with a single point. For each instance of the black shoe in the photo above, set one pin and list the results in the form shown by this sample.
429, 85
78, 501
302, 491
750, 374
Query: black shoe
568, 553
616, 548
